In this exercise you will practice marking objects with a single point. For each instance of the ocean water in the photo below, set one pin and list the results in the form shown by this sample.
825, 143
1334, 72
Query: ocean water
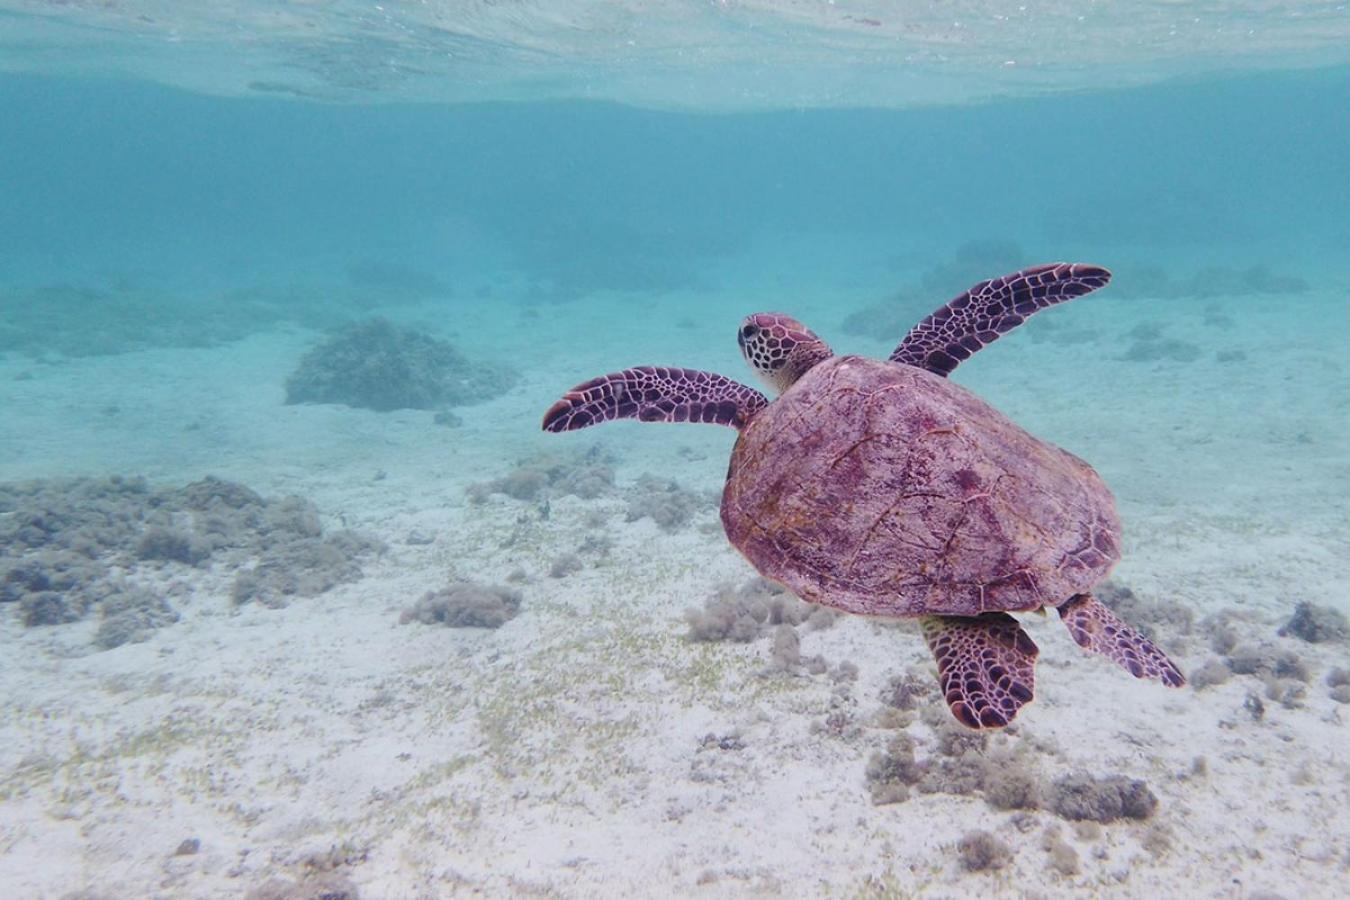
298, 599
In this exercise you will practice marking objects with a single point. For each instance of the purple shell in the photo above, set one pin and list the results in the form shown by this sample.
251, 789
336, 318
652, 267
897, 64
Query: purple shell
883, 489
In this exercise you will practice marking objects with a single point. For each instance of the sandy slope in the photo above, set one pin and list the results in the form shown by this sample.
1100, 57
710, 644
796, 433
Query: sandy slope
563, 754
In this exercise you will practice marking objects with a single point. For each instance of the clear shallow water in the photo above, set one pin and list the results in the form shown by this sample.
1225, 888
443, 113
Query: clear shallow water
170, 256
725, 55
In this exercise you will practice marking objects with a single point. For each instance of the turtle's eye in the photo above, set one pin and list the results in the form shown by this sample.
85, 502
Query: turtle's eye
749, 332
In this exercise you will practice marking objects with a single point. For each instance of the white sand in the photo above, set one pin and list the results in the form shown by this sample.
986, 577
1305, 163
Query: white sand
560, 755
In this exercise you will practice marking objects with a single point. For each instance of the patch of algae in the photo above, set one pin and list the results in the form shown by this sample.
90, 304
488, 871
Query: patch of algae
191, 751
889, 886
10, 837
545, 718
881, 887
567, 716
458, 809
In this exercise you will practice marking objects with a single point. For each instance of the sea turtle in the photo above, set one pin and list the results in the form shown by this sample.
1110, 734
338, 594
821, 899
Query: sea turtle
882, 488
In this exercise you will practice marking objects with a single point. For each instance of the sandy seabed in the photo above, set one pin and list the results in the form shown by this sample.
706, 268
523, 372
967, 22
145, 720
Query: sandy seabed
324, 745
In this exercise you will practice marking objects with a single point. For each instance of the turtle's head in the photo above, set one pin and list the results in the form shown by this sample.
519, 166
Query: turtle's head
779, 348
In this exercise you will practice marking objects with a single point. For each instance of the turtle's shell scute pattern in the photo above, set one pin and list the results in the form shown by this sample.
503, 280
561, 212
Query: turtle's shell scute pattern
883, 489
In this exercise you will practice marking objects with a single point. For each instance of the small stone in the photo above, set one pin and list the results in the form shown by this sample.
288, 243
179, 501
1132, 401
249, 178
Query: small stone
565, 565
188, 847
447, 419
980, 851
420, 538
1316, 624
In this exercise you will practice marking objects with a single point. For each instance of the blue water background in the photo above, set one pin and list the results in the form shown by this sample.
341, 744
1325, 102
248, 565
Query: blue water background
117, 179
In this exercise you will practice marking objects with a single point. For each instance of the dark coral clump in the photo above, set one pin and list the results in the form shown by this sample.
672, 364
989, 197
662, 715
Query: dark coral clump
980, 851
1080, 796
1316, 624
466, 604
377, 365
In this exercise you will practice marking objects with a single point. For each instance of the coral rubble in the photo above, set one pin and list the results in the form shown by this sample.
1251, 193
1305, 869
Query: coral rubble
666, 502
1080, 796
744, 613
70, 545
586, 475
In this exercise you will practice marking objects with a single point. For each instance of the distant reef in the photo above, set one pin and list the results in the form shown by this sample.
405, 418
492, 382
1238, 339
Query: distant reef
73, 320
377, 365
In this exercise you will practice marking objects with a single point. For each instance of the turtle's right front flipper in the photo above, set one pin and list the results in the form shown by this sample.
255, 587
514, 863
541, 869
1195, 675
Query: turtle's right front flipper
991, 308
655, 394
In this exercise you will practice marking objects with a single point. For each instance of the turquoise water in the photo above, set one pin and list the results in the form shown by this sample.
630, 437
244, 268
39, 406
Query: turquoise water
213, 690
136, 178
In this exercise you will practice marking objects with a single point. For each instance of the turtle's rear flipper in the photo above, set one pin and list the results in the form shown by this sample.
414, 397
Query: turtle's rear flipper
1098, 629
986, 666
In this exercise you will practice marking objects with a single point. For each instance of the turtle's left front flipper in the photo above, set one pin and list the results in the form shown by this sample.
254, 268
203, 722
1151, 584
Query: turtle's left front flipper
992, 308
1098, 629
656, 394
986, 666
